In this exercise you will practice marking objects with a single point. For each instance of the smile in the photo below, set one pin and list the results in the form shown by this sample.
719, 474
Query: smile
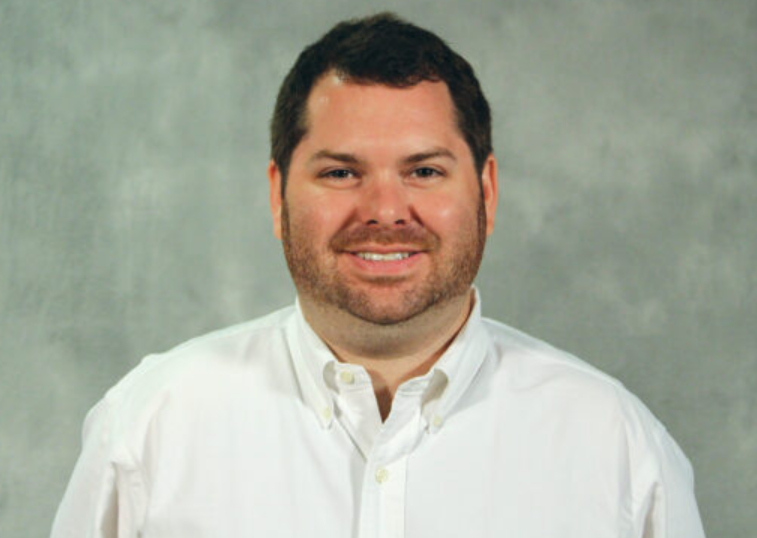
383, 257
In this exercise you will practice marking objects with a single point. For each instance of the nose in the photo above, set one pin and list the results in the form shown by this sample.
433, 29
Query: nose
385, 202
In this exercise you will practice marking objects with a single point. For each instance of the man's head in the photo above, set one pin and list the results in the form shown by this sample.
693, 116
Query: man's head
385, 50
388, 202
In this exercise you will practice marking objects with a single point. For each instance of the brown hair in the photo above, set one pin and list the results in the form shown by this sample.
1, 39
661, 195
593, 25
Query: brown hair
381, 49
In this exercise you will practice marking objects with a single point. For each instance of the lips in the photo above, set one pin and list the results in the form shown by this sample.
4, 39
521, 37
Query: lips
384, 251
381, 261
383, 257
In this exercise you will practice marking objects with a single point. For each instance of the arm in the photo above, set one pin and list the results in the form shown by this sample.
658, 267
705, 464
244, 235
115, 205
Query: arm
100, 500
669, 507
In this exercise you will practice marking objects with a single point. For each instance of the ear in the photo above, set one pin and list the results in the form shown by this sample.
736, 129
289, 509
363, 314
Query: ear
274, 196
489, 191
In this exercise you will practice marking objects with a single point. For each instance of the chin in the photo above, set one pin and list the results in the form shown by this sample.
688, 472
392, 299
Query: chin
384, 319
397, 306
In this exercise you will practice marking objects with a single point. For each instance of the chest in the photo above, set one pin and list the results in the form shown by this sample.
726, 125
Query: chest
474, 477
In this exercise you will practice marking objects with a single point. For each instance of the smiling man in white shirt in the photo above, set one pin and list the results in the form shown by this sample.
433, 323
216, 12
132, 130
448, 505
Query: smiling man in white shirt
381, 404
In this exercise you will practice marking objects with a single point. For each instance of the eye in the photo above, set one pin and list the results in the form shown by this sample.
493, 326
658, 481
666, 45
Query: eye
337, 173
426, 172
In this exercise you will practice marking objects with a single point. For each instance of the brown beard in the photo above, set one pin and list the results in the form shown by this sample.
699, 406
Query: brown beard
449, 278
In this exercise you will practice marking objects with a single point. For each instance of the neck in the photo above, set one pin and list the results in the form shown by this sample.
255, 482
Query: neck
391, 354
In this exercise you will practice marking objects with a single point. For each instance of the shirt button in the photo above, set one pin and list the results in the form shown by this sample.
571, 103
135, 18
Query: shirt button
326, 413
382, 475
347, 377
437, 421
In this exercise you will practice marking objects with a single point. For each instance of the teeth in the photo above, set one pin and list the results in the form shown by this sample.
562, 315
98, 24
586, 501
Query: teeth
376, 257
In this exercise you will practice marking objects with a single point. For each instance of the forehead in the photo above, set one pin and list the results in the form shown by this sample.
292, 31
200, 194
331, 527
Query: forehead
333, 90
346, 112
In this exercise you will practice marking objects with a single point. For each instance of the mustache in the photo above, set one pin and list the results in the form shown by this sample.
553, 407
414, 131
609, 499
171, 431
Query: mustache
416, 237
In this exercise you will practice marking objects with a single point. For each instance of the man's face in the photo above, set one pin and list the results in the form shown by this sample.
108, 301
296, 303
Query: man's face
383, 215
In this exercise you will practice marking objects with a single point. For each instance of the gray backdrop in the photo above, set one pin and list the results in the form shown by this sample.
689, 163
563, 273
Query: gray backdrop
133, 204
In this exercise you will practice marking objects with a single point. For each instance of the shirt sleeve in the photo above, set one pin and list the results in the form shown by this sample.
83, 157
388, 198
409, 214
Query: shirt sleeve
669, 506
103, 492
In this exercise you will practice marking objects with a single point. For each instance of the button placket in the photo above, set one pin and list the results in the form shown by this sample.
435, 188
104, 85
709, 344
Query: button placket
388, 462
392, 496
382, 512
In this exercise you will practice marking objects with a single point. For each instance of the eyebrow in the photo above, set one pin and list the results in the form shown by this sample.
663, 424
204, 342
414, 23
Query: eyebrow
334, 156
410, 159
431, 154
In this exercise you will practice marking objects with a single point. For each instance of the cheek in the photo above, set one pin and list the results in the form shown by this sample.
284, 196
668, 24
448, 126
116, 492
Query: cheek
447, 214
315, 216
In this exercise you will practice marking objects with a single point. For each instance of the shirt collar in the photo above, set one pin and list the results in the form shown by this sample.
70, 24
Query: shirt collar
310, 356
458, 366
445, 383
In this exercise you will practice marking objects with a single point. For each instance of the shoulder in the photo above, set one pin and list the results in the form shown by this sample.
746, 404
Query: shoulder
243, 357
242, 344
558, 390
566, 384
554, 395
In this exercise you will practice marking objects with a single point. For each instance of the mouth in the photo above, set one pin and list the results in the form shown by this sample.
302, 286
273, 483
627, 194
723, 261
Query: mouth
386, 261
383, 256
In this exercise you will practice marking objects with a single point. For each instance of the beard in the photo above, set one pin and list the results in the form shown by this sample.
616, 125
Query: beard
452, 272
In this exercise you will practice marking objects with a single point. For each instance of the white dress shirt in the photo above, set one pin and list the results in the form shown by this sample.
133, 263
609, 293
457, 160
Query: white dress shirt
259, 431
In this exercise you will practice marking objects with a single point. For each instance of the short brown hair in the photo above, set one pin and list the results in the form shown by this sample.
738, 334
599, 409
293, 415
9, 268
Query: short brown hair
381, 49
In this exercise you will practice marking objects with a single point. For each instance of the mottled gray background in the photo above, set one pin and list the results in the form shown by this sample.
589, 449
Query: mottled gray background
133, 204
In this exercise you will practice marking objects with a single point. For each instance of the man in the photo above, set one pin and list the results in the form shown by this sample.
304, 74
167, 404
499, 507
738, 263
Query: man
382, 403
